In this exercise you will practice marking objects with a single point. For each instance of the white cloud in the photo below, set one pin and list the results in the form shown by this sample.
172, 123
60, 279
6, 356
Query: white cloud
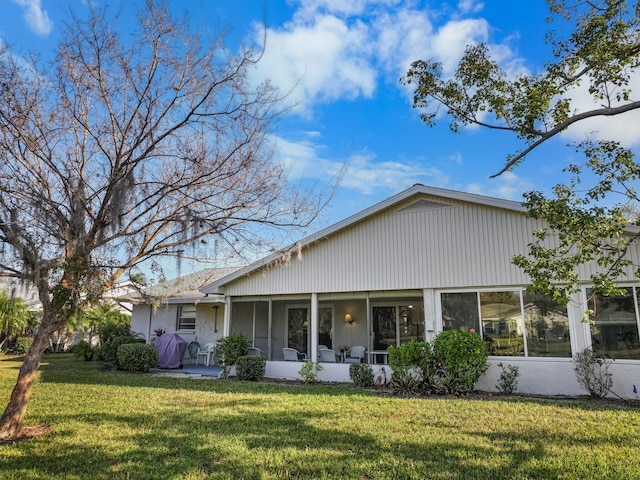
37, 18
303, 160
622, 128
508, 185
335, 50
470, 6
324, 61
309, 8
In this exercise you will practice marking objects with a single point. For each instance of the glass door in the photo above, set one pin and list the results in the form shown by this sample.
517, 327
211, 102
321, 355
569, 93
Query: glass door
325, 326
298, 328
384, 327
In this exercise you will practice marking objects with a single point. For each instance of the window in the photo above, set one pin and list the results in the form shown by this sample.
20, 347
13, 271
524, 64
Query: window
325, 326
614, 330
298, 328
397, 324
186, 317
498, 316
547, 326
460, 311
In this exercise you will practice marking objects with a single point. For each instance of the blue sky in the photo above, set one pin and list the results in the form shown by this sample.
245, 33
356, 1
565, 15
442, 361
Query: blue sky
343, 59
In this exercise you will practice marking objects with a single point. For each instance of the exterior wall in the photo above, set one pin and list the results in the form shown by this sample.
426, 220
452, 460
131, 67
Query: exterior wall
537, 377
209, 323
452, 246
165, 317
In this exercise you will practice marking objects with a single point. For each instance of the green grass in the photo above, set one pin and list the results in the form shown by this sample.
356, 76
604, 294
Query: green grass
115, 425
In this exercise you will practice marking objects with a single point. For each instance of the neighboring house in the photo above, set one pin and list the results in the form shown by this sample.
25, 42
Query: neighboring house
422, 261
27, 292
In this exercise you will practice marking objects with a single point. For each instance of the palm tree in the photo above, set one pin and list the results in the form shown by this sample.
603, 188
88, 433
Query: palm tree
14, 317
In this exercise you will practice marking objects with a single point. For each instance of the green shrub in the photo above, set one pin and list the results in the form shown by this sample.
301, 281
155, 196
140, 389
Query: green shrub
251, 368
22, 345
83, 349
414, 368
229, 349
461, 358
137, 357
309, 371
361, 375
109, 351
108, 331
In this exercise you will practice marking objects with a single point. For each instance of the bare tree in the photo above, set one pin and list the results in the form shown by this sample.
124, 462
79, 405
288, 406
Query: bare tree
125, 148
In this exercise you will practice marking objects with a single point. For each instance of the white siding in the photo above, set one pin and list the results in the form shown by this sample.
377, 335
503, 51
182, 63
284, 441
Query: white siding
458, 245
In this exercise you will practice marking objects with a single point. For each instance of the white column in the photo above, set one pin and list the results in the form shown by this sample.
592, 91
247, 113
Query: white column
226, 329
369, 332
314, 327
430, 322
269, 329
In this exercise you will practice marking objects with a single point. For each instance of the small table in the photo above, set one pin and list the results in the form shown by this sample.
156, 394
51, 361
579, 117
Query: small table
374, 353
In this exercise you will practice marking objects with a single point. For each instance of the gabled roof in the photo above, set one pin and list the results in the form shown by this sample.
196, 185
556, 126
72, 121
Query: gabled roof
186, 286
417, 189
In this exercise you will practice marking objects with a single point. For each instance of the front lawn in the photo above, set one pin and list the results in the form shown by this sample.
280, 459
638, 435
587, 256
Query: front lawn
115, 425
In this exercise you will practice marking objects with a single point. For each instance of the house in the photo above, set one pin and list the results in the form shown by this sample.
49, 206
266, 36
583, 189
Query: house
174, 306
425, 260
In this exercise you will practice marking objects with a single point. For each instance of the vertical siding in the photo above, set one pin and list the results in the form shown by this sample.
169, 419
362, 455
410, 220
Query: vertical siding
457, 245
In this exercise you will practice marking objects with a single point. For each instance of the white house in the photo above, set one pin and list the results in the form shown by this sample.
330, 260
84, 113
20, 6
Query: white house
424, 260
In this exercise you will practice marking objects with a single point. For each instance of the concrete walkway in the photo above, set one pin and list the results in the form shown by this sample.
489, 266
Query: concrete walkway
195, 370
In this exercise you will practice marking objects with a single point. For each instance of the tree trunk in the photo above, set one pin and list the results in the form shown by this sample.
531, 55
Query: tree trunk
13, 416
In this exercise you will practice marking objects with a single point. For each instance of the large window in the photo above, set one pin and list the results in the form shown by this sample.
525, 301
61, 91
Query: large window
512, 322
186, 317
397, 324
614, 328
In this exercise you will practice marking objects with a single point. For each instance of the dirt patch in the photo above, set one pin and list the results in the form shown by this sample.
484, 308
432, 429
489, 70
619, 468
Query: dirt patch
28, 433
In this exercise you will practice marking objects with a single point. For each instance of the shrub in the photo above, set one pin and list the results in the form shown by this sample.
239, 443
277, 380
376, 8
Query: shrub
109, 331
309, 371
22, 345
592, 373
361, 375
413, 367
83, 349
109, 351
137, 357
461, 358
251, 368
508, 381
229, 349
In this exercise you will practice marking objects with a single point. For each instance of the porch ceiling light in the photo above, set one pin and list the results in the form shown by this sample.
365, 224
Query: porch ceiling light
348, 318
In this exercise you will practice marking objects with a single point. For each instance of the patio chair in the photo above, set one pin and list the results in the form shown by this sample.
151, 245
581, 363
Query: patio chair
206, 351
355, 354
292, 355
254, 352
326, 355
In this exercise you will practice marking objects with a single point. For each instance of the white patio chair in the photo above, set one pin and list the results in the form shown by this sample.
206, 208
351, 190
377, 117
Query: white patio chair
254, 352
355, 354
292, 355
326, 355
206, 351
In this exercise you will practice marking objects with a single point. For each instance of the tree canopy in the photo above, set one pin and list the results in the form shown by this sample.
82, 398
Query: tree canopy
126, 147
602, 52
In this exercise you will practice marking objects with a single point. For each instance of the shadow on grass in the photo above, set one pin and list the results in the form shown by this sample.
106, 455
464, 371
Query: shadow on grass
255, 446
258, 435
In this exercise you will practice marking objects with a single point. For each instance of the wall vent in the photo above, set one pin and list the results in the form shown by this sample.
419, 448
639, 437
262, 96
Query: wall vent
422, 205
